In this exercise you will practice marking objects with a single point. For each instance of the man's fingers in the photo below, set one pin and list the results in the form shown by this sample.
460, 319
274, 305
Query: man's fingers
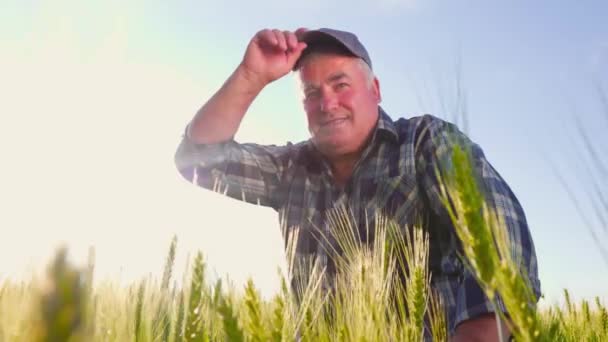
285, 41
296, 53
266, 37
292, 40
282, 43
282, 40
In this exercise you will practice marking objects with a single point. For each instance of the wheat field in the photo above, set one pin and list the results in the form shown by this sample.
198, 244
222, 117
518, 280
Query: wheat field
366, 304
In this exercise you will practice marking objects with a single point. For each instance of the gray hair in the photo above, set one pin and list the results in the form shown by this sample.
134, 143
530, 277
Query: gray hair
367, 70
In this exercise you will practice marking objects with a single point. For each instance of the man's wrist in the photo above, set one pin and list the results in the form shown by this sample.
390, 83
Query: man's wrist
251, 82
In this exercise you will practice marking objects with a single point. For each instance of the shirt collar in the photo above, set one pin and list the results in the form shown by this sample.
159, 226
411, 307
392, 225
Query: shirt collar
386, 125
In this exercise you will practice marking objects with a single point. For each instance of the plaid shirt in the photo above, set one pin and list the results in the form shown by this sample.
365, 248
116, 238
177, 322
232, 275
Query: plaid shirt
395, 174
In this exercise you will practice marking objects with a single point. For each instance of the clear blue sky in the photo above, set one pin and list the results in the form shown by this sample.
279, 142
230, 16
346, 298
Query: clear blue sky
527, 69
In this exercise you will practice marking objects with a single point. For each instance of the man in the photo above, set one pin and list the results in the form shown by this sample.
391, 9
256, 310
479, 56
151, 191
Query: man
356, 155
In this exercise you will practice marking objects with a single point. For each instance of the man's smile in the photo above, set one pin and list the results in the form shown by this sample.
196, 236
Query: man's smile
334, 122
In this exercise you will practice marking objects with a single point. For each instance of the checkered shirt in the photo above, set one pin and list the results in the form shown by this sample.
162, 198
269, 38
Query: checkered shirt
395, 175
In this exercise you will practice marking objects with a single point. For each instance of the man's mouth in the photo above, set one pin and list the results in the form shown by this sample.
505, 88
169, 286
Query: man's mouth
334, 122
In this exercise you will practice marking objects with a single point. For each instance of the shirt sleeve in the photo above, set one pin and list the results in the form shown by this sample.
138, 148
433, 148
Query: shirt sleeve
248, 172
434, 144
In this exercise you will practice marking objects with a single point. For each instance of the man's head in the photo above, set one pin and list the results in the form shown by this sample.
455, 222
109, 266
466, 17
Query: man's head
341, 93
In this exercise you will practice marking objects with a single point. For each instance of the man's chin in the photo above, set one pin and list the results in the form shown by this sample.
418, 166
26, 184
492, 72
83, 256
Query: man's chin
334, 148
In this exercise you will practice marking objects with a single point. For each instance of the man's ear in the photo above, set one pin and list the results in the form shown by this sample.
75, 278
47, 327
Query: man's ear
376, 89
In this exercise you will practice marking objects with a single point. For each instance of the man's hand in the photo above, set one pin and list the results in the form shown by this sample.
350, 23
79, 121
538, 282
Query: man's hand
271, 54
480, 329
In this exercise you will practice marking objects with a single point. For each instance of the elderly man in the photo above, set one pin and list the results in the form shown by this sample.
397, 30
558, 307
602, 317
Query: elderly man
356, 156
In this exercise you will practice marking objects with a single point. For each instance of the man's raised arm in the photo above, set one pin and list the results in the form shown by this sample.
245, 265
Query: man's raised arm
209, 157
270, 55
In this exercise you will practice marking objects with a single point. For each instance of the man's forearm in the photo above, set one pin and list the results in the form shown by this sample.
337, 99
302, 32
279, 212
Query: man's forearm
219, 119
483, 328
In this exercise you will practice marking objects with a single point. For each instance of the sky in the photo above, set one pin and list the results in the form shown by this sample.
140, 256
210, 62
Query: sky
96, 95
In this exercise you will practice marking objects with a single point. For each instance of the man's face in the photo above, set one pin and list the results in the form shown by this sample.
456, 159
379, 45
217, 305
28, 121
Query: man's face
341, 103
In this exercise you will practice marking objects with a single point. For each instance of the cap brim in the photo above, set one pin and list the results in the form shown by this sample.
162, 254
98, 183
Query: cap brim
315, 36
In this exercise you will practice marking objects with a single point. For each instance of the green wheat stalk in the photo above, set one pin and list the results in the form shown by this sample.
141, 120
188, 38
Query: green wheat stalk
255, 326
63, 302
486, 247
195, 326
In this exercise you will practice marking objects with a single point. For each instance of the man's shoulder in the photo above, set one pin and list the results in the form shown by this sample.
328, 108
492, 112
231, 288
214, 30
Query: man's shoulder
412, 128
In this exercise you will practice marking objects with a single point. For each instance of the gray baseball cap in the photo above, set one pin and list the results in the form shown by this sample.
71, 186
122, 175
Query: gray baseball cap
325, 36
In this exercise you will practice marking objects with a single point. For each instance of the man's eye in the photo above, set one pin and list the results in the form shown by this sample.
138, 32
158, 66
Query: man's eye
342, 85
311, 94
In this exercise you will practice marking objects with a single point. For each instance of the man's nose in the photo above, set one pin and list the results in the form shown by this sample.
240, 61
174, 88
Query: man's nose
329, 102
